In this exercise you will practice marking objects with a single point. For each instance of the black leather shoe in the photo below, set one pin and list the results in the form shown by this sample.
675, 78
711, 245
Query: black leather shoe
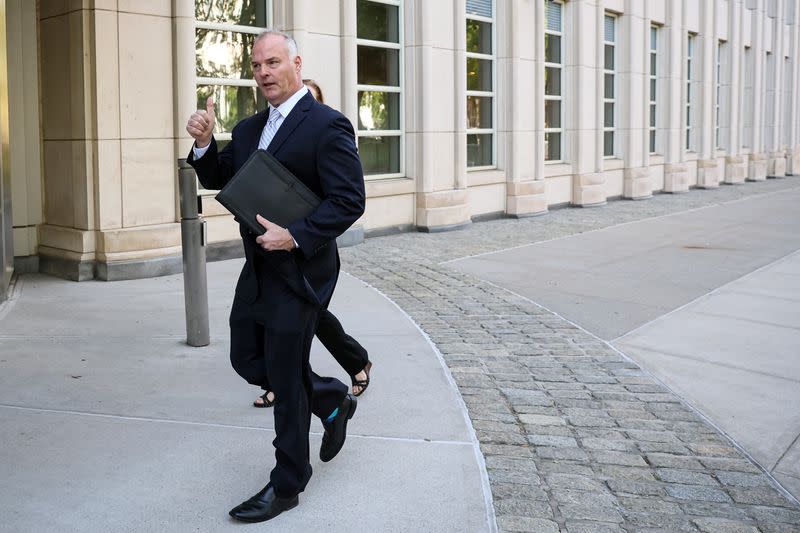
336, 431
263, 506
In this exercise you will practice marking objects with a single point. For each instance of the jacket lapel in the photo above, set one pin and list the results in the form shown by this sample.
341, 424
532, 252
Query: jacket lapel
296, 116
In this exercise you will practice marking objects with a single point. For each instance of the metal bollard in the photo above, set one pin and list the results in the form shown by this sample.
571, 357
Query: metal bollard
193, 239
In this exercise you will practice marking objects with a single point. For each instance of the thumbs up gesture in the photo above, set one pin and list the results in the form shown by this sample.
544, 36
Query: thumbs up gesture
201, 124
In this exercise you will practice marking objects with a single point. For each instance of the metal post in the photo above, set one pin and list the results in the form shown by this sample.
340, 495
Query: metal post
193, 239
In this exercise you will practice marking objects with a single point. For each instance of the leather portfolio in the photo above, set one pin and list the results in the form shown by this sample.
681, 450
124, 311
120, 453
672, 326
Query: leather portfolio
264, 186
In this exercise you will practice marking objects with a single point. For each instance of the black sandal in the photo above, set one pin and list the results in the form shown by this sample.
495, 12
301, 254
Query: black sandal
267, 403
363, 383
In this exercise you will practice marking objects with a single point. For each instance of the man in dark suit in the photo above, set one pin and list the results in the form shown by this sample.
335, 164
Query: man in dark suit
289, 273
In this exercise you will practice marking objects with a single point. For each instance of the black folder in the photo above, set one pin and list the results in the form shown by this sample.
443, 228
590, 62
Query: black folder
264, 186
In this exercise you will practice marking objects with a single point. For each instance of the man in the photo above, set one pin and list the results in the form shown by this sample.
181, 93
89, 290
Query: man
289, 273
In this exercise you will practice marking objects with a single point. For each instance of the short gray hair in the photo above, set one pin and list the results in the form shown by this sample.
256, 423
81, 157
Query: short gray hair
291, 44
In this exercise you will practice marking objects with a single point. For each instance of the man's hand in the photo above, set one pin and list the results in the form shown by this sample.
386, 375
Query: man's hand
276, 237
201, 124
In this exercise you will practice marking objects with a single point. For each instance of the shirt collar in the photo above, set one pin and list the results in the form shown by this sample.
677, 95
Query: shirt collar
285, 108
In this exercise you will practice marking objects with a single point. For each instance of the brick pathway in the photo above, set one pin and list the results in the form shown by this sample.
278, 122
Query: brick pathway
577, 438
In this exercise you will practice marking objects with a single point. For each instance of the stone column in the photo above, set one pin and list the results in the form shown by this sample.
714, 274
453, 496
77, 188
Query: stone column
776, 162
586, 83
793, 115
525, 194
735, 162
757, 164
635, 102
676, 175
442, 198
708, 173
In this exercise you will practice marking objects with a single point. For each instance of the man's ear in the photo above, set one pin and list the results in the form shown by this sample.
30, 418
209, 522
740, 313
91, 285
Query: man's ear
298, 63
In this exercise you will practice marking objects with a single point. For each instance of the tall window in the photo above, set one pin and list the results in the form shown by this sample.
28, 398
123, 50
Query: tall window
689, 56
787, 101
653, 83
224, 36
553, 71
480, 83
380, 87
769, 102
609, 82
748, 97
720, 94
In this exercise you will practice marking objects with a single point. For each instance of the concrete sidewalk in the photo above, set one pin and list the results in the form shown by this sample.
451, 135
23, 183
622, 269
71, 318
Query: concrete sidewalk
111, 423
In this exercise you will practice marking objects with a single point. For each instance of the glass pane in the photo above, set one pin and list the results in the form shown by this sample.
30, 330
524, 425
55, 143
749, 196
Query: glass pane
553, 15
653, 38
479, 112
552, 48
241, 12
223, 54
688, 116
378, 66
688, 70
552, 146
609, 57
479, 37
688, 93
378, 110
377, 22
480, 7
609, 29
479, 150
379, 155
552, 114
690, 46
552, 81
609, 86
232, 104
652, 141
608, 115
653, 116
653, 90
479, 74
608, 143
653, 64
688, 139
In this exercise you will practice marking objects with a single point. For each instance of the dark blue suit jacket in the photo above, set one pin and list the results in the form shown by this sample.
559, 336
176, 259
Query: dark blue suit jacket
317, 144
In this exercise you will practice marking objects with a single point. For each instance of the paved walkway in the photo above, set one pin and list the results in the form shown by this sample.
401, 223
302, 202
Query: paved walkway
578, 437
111, 423
107, 412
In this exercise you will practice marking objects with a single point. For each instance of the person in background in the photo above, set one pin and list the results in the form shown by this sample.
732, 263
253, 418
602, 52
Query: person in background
347, 351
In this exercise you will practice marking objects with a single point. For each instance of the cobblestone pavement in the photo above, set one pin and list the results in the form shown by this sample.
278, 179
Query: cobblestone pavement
576, 437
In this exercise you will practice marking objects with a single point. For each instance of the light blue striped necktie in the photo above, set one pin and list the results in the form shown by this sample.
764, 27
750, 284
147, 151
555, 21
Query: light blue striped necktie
270, 129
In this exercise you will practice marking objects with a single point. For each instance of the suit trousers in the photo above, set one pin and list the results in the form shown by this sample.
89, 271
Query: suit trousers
345, 349
272, 337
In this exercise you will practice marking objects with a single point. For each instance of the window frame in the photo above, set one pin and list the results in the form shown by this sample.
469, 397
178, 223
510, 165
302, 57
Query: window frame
560, 97
229, 82
688, 125
653, 90
484, 94
613, 101
398, 89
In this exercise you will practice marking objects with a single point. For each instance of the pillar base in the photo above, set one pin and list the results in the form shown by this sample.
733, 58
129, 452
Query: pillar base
735, 169
757, 167
526, 198
443, 211
793, 161
637, 184
676, 177
776, 165
707, 174
589, 189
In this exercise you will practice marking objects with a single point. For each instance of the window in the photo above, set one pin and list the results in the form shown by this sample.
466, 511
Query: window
609, 82
653, 83
769, 102
720, 95
379, 84
748, 97
553, 74
689, 55
224, 36
480, 84
787, 101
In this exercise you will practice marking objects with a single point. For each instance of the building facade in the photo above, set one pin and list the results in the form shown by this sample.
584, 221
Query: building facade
463, 109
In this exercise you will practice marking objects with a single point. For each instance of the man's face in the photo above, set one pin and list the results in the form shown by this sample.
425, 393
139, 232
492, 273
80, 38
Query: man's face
277, 76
